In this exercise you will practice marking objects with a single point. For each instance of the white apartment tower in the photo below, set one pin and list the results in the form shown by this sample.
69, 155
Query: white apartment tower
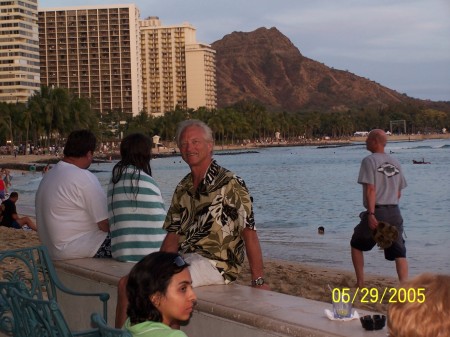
19, 50
95, 52
176, 69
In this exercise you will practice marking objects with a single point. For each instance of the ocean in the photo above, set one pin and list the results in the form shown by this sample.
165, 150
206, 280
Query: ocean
297, 189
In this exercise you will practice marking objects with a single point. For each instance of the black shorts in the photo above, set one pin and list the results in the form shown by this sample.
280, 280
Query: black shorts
105, 249
362, 238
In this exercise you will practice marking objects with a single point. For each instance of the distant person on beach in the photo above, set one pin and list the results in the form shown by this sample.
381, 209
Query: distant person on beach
161, 296
210, 220
71, 206
9, 215
7, 179
135, 206
3, 190
382, 179
425, 312
46, 169
321, 230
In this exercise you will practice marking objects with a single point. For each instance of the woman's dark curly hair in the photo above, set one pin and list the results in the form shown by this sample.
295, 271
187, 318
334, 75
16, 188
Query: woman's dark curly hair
150, 276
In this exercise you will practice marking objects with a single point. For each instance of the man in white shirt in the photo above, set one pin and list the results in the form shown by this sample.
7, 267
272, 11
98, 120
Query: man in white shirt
71, 207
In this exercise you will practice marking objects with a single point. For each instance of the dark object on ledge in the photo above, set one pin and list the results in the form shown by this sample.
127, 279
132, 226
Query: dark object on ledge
375, 322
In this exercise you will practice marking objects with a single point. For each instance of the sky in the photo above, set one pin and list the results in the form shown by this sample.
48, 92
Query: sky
401, 44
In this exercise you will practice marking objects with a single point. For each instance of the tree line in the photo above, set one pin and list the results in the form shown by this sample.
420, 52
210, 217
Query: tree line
52, 113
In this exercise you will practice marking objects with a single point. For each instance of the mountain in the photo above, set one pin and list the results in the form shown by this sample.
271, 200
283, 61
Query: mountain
265, 66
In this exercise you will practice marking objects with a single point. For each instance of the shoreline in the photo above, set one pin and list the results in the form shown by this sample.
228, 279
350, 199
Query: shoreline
23, 162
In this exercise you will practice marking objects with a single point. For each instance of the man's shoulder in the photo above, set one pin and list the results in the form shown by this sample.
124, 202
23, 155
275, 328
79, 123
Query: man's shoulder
7, 202
215, 169
381, 158
223, 176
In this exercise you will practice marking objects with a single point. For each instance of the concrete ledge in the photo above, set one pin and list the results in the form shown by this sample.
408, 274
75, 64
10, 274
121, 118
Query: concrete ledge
222, 309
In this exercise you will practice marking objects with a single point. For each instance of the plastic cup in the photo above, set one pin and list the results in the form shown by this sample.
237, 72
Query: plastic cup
342, 308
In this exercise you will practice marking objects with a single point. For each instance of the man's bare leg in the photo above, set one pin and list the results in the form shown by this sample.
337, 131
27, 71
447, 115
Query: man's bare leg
401, 264
358, 264
26, 221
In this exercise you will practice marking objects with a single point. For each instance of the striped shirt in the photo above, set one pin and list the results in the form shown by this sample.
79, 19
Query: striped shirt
136, 215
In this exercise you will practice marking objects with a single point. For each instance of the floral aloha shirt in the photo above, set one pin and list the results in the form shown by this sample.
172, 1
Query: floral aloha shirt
210, 220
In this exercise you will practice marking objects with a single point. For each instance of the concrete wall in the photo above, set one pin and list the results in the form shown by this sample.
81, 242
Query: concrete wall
222, 310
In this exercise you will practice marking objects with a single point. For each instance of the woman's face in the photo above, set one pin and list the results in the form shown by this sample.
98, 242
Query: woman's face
179, 301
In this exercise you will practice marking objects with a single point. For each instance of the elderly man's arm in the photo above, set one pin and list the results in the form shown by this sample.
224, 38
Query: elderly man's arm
370, 195
254, 254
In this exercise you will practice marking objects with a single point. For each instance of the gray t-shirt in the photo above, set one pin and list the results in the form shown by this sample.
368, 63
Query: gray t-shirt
385, 172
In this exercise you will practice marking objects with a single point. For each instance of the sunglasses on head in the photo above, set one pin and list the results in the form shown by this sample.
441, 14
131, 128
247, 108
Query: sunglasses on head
179, 262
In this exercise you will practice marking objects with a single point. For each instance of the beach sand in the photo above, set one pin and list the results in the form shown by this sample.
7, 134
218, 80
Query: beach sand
286, 277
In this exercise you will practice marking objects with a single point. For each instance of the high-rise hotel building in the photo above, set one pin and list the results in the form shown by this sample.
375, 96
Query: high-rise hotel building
95, 52
19, 50
123, 63
176, 69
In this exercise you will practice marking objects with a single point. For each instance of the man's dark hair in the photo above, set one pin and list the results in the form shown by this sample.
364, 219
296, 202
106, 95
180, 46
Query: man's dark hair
79, 143
14, 195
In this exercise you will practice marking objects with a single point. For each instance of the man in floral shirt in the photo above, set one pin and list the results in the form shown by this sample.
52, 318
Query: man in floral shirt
210, 220
211, 212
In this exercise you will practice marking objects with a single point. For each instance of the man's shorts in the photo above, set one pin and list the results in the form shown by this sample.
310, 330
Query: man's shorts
15, 224
105, 249
362, 238
203, 271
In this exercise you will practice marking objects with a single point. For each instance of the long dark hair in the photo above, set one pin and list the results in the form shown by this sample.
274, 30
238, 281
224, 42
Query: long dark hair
135, 150
150, 276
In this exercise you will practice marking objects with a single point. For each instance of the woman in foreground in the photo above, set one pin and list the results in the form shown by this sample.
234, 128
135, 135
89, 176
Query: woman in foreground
160, 295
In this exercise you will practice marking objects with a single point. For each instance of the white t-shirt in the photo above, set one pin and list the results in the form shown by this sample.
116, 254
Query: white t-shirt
69, 203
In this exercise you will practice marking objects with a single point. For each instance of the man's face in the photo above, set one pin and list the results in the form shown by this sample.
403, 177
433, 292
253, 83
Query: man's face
195, 149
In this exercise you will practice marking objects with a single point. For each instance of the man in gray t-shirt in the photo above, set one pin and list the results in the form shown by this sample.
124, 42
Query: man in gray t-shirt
382, 179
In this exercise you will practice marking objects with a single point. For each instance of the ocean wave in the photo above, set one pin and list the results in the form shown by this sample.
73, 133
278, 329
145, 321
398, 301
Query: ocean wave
420, 147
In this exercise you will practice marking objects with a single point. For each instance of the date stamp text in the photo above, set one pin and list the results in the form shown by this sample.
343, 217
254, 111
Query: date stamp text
375, 295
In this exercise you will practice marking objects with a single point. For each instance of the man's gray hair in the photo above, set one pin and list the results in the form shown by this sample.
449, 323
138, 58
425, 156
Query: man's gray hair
194, 122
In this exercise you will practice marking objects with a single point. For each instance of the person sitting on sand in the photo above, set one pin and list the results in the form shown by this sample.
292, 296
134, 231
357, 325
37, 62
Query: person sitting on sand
10, 218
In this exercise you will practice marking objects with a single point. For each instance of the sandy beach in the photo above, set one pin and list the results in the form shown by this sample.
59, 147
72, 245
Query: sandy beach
295, 279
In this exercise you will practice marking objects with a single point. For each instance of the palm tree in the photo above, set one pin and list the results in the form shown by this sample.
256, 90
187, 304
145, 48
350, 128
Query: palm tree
6, 122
